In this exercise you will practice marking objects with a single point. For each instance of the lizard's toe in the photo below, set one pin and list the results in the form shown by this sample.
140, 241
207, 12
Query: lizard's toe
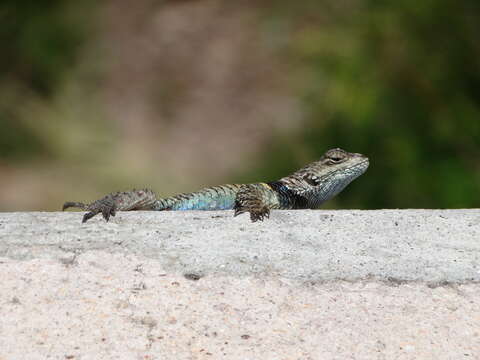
89, 215
238, 210
105, 206
259, 214
107, 211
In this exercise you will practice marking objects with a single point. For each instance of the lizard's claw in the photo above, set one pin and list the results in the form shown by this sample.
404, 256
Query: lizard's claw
256, 213
105, 210
105, 205
259, 214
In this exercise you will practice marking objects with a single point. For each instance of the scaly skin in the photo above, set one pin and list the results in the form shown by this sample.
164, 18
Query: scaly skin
306, 188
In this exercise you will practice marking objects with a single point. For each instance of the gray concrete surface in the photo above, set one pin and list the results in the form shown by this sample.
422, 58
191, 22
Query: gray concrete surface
386, 284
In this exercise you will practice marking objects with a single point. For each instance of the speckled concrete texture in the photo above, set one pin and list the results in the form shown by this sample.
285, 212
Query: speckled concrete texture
203, 285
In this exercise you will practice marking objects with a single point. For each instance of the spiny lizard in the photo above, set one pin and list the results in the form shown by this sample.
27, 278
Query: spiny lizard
306, 188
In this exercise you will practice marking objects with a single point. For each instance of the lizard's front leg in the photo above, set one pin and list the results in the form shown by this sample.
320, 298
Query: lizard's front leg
118, 201
255, 199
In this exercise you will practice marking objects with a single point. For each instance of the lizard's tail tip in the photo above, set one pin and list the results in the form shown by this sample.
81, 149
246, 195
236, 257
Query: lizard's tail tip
73, 204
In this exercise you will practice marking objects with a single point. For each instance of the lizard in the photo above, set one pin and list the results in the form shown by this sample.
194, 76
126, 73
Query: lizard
306, 188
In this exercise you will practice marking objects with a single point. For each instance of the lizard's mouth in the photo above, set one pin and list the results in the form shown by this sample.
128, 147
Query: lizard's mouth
365, 162
361, 166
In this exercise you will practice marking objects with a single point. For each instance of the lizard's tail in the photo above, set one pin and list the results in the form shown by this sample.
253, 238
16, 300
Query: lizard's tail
74, 204
220, 197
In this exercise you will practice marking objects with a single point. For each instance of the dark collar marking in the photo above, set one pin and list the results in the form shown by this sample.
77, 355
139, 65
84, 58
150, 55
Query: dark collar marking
288, 196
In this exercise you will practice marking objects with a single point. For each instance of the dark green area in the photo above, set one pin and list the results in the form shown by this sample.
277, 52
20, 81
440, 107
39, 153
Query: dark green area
18, 141
398, 81
40, 41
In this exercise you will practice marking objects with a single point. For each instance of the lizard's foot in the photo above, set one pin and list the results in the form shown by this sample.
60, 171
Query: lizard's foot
119, 201
105, 205
249, 199
259, 214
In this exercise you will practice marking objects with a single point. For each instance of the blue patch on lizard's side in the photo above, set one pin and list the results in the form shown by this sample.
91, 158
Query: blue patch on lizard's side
218, 203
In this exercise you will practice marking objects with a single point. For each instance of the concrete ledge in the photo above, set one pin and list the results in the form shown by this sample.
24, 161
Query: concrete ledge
434, 246
193, 285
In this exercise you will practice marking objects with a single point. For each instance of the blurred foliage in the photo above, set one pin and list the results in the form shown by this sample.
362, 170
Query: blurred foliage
40, 41
398, 81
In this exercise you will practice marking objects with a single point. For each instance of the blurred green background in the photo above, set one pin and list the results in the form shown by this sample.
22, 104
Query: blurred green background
177, 95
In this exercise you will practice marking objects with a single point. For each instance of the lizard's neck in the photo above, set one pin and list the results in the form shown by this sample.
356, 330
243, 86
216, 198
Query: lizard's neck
313, 185
288, 198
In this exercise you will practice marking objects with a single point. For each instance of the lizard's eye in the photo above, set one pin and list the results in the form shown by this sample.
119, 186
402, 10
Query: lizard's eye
336, 158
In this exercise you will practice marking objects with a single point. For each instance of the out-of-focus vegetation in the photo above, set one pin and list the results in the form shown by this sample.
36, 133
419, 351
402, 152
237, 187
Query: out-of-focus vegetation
40, 41
398, 81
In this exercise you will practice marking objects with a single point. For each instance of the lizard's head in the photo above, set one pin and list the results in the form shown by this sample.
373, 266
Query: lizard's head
338, 156
337, 161
325, 178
